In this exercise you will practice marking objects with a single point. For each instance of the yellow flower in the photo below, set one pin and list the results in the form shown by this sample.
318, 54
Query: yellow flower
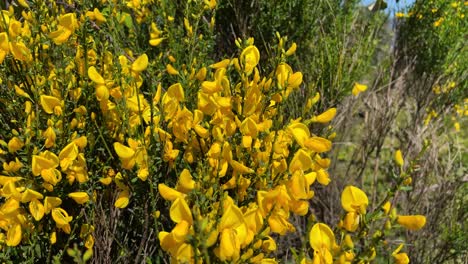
210, 4
233, 234
399, 158
249, 58
29, 195
287, 79
300, 133
171, 70
325, 117
126, 155
20, 51
67, 26
122, 199
140, 64
400, 258
79, 197
51, 104
67, 155
322, 239
386, 207
62, 219
96, 15
53, 238
300, 161
168, 193
15, 144
186, 182
358, 88
50, 203
50, 136
354, 199
36, 209
155, 33
4, 46
412, 222
291, 50
318, 144
180, 211
351, 221
222, 64
14, 235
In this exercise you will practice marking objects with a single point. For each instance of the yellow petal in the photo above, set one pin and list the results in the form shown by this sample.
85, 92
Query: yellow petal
386, 207
325, 117
171, 70
79, 197
351, 221
155, 42
323, 177
53, 238
51, 202
123, 152
295, 80
180, 231
40, 163
300, 133
29, 195
168, 193
250, 57
228, 243
318, 144
209, 87
180, 211
61, 217
140, 64
176, 91
106, 180
20, 51
292, 49
320, 237
95, 76
240, 168
300, 161
15, 144
123, 199
232, 218
310, 177
4, 42
401, 258
102, 93
249, 127
222, 64
201, 74
48, 103
298, 186
412, 222
185, 254
167, 241
68, 20
36, 209
68, 155
354, 199
186, 181
399, 158
358, 88
14, 235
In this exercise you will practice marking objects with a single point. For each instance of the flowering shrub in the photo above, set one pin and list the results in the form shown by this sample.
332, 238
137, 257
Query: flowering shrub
110, 104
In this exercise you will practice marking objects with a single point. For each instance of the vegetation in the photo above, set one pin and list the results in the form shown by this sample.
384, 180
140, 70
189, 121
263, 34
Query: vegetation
232, 131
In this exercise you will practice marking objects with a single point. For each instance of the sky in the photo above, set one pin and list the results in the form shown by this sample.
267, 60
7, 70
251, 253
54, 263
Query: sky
393, 6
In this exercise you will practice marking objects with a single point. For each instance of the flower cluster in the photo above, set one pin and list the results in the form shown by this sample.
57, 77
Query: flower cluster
93, 119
